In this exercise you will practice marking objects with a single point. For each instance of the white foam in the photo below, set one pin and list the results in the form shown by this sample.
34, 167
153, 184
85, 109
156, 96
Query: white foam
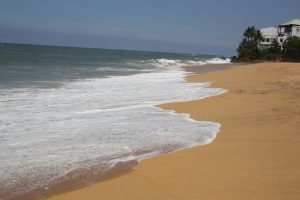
218, 61
46, 133
169, 63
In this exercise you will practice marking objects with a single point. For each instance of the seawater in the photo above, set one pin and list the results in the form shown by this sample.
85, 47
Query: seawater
73, 114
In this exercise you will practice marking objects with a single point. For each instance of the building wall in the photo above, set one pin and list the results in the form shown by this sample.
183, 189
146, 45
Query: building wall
283, 33
282, 39
270, 34
296, 31
267, 42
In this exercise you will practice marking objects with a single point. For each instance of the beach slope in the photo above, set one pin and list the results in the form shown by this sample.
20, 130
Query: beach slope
255, 156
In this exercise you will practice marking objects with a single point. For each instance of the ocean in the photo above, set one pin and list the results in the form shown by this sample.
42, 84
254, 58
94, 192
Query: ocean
73, 116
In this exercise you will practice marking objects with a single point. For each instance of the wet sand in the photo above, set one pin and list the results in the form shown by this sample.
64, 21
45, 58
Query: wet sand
211, 67
255, 156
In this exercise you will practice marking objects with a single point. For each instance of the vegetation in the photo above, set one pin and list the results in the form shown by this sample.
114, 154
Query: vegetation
250, 50
272, 53
291, 49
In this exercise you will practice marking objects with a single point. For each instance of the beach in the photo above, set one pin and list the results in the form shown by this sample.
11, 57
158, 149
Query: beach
255, 155
86, 119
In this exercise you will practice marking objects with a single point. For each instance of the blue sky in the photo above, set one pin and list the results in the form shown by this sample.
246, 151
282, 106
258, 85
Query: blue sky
191, 26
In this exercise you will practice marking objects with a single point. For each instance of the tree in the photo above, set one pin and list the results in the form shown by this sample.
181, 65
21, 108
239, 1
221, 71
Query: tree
248, 49
258, 36
291, 49
272, 53
250, 33
275, 51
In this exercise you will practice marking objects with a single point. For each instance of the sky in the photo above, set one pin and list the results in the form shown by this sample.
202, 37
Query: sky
185, 26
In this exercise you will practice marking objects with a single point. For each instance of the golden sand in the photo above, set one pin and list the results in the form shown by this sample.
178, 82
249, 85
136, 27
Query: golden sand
255, 156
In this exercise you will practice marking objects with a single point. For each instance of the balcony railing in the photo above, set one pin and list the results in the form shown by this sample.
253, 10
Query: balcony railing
288, 34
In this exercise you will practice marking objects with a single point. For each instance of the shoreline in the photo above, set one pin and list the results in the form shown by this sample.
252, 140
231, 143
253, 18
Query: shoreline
123, 168
74, 181
166, 171
211, 67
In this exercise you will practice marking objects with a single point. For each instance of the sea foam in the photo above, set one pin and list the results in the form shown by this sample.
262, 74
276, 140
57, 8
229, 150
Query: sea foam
88, 124
169, 63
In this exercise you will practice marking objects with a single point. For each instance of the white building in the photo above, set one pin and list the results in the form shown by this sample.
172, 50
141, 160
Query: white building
289, 29
270, 34
283, 32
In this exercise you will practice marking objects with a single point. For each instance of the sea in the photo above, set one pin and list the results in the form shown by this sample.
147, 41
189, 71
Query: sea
72, 116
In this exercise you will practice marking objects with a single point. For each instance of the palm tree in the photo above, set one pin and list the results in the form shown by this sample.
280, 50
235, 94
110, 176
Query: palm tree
248, 49
258, 36
250, 33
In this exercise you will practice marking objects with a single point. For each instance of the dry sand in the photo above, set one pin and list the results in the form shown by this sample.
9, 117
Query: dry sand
255, 156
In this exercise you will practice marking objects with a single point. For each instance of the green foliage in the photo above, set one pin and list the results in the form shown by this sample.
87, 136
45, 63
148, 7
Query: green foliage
234, 59
250, 33
248, 48
272, 53
291, 49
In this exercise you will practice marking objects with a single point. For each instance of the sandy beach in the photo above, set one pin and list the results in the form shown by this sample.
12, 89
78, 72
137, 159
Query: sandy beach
255, 155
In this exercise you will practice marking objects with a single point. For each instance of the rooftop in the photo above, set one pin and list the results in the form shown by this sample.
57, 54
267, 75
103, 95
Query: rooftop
293, 22
269, 31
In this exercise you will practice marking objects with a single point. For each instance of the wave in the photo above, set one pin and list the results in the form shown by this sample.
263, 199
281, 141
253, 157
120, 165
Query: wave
218, 61
87, 127
148, 65
93, 123
169, 63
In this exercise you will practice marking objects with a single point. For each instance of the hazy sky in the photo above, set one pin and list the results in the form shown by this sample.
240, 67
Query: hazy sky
197, 26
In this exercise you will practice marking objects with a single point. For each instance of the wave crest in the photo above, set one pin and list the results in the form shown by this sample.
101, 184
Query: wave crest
167, 63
